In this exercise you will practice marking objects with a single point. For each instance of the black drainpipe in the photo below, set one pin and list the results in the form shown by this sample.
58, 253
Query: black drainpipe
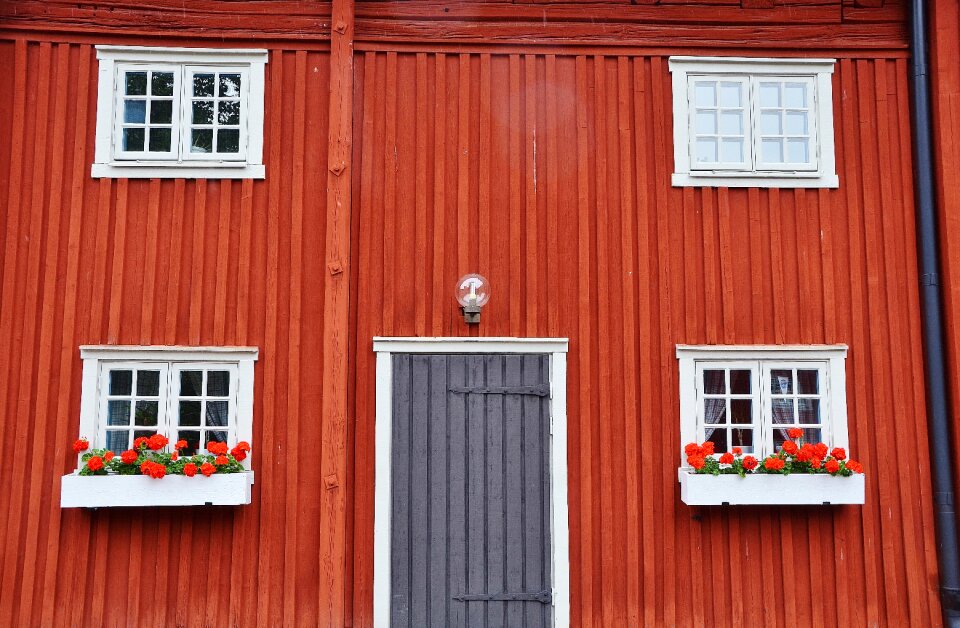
941, 463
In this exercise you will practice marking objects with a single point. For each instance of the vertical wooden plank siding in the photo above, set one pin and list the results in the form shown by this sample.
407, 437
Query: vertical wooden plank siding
642, 266
549, 174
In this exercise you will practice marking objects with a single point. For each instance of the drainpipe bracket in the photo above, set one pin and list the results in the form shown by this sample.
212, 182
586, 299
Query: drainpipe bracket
950, 599
930, 279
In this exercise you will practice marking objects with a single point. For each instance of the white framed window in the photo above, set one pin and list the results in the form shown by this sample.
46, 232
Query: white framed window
749, 396
179, 112
744, 122
196, 394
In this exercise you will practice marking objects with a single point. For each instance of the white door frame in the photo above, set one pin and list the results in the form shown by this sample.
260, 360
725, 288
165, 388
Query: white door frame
556, 348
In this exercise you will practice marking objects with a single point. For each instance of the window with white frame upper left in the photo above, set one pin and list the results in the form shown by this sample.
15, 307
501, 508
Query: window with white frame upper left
179, 113
196, 394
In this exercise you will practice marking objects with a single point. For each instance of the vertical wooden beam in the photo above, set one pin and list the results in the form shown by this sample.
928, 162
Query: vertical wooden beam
332, 555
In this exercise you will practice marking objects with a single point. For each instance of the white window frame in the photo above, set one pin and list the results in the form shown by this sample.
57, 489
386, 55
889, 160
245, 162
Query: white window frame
111, 162
556, 348
761, 358
818, 71
98, 359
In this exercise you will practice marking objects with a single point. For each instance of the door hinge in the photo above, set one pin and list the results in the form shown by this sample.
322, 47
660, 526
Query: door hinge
541, 390
544, 597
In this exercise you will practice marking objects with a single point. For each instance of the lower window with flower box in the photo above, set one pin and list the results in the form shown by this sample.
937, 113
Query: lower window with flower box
756, 422
163, 426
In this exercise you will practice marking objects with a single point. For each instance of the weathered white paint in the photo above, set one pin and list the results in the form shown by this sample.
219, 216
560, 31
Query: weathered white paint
763, 489
97, 491
557, 349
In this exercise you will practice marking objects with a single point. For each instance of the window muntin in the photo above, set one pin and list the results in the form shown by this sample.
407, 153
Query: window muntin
751, 122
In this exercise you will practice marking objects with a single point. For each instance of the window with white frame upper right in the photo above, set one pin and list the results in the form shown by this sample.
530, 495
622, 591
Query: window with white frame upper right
749, 397
753, 122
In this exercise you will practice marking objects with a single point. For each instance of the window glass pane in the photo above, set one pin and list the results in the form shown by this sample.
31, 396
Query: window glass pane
191, 383
118, 441
190, 413
769, 94
742, 438
719, 439
714, 411
218, 383
780, 435
217, 413
730, 95
228, 141
193, 441
135, 111
706, 122
159, 140
118, 412
228, 112
146, 413
797, 151
731, 123
229, 85
741, 411
203, 112
714, 382
161, 112
133, 139
148, 383
220, 437
812, 435
144, 433
781, 381
707, 150
796, 123
772, 151
121, 382
795, 95
162, 84
202, 141
136, 84
770, 123
705, 94
783, 411
808, 381
740, 382
808, 411
203, 84
731, 151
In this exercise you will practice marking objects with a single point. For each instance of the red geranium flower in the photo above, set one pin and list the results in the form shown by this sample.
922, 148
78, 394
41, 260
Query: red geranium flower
216, 447
81, 444
806, 453
128, 457
832, 466
707, 448
795, 432
174, 456
207, 469
816, 463
749, 463
737, 451
221, 460
180, 444
140, 442
238, 453
821, 450
726, 458
189, 469
95, 463
157, 442
108, 456
696, 462
691, 449
773, 463
838, 453
854, 466
790, 447
243, 446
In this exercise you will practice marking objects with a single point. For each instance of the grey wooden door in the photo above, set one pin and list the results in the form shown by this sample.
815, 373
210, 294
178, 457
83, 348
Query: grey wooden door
470, 525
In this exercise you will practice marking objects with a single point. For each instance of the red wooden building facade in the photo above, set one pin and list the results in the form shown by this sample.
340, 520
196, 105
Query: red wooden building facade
532, 142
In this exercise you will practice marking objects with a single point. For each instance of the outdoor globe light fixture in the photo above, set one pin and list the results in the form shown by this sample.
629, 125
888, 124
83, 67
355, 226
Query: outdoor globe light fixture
473, 292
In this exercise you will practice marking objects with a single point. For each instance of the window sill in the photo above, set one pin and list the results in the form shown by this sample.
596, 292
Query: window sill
755, 180
96, 491
139, 170
762, 489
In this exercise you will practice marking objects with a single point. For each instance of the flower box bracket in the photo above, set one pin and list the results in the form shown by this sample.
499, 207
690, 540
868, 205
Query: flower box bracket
99, 491
770, 489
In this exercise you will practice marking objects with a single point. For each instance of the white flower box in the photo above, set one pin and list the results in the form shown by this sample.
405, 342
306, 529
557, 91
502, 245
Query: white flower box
96, 491
763, 489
